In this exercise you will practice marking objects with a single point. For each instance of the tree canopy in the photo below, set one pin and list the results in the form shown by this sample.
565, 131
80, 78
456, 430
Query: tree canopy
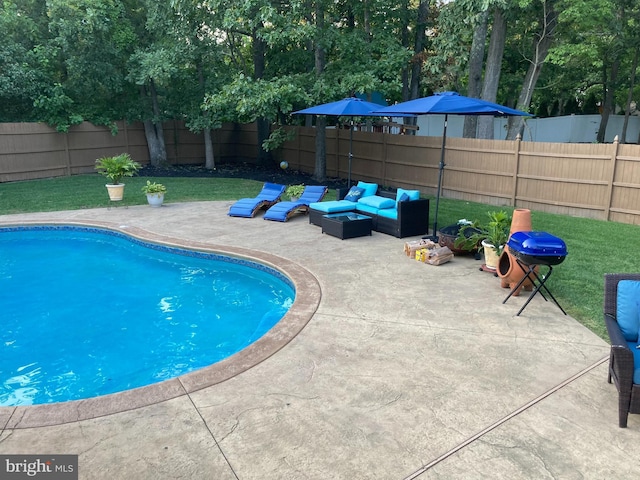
211, 61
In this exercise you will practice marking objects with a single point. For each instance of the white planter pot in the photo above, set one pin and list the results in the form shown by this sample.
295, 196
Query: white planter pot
116, 192
491, 258
155, 199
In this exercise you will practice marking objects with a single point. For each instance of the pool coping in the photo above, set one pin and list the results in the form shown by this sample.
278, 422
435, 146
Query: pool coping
308, 295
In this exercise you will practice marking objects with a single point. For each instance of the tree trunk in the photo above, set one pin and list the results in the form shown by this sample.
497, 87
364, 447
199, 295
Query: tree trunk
541, 47
627, 109
476, 59
263, 125
492, 70
320, 170
153, 129
404, 36
417, 60
418, 57
608, 99
209, 156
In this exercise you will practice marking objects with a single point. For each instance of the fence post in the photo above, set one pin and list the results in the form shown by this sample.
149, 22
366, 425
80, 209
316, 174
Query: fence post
612, 175
384, 159
298, 134
516, 170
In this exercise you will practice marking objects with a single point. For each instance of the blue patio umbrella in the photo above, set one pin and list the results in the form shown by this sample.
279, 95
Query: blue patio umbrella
347, 107
448, 103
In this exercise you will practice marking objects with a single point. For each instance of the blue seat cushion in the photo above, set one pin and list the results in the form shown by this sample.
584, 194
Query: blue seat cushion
627, 312
335, 206
411, 194
374, 201
636, 361
366, 209
391, 213
369, 188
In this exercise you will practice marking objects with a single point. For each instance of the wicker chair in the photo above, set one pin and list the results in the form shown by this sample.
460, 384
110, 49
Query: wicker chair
621, 363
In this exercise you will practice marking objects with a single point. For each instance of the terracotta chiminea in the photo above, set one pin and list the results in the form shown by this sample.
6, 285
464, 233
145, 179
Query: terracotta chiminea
508, 270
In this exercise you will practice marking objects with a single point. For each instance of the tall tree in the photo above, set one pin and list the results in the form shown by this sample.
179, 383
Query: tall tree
476, 61
320, 170
542, 41
493, 68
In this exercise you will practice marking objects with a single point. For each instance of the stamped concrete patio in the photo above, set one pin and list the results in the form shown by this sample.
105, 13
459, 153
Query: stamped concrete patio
405, 370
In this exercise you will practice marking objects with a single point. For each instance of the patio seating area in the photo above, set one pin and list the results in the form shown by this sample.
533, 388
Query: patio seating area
405, 370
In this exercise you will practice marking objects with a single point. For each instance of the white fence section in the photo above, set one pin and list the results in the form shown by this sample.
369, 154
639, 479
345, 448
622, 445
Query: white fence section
567, 129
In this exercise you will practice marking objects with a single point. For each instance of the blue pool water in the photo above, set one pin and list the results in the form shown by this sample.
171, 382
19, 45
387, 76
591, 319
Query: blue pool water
87, 312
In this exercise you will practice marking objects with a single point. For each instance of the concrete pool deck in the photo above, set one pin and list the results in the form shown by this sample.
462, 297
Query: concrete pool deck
405, 370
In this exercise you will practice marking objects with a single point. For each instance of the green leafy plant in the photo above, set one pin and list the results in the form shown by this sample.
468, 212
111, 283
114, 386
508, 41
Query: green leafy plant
153, 187
117, 167
495, 232
294, 190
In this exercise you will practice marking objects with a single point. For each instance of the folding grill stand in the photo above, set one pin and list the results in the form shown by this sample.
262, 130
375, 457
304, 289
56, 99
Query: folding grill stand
539, 285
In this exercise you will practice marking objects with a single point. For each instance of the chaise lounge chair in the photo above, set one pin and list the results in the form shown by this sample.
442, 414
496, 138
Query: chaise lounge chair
248, 207
282, 211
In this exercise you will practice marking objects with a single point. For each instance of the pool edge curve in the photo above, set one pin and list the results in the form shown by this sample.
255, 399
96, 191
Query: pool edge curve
308, 294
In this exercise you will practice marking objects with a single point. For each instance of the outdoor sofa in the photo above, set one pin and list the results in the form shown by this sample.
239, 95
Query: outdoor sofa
401, 213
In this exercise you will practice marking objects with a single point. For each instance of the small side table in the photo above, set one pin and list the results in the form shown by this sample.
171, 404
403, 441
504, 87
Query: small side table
346, 225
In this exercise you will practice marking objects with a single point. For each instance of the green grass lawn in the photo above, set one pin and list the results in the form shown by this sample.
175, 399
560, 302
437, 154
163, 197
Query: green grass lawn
595, 247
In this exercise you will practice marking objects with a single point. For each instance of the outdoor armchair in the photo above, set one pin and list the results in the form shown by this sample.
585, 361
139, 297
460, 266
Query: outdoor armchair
621, 298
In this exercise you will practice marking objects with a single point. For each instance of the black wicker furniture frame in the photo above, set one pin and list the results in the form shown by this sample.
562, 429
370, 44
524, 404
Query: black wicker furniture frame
621, 364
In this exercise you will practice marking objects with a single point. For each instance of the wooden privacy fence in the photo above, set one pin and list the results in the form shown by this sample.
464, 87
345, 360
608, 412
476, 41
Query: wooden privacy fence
600, 181
34, 150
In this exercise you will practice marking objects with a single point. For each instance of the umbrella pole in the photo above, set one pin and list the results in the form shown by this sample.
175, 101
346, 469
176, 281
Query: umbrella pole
350, 154
434, 236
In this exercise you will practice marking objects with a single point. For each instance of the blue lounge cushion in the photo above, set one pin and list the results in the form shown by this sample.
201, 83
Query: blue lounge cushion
412, 194
355, 193
334, 206
282, 210
248, 207
627, 312
377, 202
369, 188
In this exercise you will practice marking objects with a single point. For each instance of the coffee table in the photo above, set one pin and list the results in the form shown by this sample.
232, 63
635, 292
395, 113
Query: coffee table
346, 225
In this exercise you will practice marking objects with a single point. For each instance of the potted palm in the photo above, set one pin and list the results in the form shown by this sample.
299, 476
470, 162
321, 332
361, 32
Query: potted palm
155, 193
115, 168
294, 191
492, 236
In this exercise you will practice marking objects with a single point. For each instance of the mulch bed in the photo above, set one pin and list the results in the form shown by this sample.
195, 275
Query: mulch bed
241, 170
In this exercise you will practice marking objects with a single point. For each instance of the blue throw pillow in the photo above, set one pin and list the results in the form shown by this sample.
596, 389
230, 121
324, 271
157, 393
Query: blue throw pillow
412, 194
355, 193
403, 198
627, 313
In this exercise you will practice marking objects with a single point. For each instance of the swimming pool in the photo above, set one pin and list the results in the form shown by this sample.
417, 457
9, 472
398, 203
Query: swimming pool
97, 311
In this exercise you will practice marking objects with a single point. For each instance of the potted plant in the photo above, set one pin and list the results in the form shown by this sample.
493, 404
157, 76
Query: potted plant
492, 235
115, 168
294, 191
155, 193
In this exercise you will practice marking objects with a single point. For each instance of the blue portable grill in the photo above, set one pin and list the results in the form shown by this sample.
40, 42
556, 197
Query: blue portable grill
532, 249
